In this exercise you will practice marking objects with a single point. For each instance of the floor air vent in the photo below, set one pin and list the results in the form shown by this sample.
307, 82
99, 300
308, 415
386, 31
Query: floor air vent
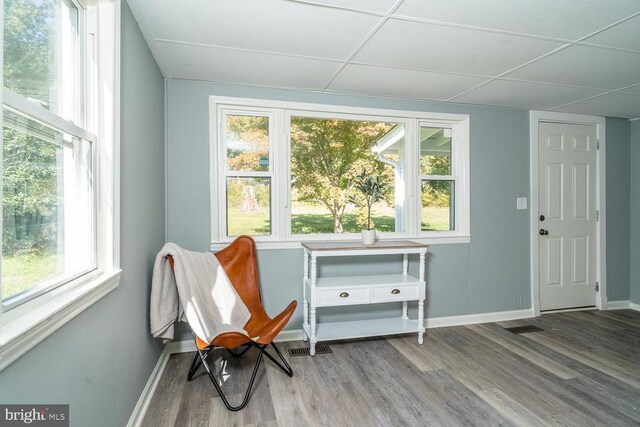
304, 351
524, 329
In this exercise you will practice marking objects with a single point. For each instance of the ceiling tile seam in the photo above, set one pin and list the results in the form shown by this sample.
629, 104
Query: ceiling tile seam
369, 64
477, 28
243, 49
366, 39
608, 27
337, 7
606, 47
149, 36
554, 51
558, 49
452, 98
415, 99
364, 95
580, 100
512, 33
419, 70
565, 85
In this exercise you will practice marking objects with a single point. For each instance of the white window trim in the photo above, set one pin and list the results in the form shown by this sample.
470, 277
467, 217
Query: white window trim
281, 237
28, 324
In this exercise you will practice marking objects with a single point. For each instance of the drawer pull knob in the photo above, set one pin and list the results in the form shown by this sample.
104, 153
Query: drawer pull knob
395, 291
344, 294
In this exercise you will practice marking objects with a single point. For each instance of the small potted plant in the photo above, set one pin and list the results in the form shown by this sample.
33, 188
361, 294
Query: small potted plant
371, 190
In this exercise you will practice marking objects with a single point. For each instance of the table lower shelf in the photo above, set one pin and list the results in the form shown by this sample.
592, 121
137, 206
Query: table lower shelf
327, 331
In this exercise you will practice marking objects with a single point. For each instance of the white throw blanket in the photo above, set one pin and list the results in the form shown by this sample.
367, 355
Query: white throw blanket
199, 290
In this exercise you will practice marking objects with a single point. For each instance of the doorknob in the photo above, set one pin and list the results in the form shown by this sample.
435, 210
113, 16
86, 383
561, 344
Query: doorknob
542, 218
543, 232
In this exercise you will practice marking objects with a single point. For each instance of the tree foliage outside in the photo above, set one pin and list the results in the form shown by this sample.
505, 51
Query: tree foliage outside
328, 155
29, 48
30, 176
247, 143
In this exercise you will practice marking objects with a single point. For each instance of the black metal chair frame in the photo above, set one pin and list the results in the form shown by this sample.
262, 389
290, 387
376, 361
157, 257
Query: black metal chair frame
200, 358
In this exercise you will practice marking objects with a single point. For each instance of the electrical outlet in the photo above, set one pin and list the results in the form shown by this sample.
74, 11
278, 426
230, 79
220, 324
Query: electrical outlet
521, 203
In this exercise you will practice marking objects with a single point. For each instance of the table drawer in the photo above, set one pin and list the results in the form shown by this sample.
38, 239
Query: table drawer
346, 296
395, 293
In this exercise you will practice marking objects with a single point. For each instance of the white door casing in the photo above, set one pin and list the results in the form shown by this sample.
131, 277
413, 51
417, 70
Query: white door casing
567, 197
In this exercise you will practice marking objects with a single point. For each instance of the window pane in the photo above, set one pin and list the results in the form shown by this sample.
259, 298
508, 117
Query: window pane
40, 53
329, 157
47, 205
435, 151
247, 143
438, 212
248, 206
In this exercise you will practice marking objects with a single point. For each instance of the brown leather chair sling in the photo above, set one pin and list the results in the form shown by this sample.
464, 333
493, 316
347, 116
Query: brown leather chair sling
240, 263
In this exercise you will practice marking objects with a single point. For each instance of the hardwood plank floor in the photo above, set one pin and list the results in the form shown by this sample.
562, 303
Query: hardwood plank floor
582, 369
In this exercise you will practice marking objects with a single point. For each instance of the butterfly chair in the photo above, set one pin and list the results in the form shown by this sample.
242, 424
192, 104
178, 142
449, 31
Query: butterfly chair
239, 262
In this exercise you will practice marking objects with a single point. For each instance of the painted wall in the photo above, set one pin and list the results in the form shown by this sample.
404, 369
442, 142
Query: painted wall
489, 274
618, 133
634, 210
100, 361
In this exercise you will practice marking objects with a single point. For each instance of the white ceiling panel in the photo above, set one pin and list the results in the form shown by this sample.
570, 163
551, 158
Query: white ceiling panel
440, 48
405, 83
214, 64
268, 25
371, 5
585, 66
525, 94
611, 104
625, 35
567, 19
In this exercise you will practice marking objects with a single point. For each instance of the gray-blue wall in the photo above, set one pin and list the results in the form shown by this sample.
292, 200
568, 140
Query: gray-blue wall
100, 361
618, 192
635, 212
489, 274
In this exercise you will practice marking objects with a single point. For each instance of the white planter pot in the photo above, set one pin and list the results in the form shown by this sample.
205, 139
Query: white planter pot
368, 237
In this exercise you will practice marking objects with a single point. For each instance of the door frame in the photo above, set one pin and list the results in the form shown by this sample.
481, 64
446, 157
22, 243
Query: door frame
535, 117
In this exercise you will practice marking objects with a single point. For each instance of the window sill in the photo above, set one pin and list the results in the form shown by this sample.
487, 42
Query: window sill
296, 244
23, 331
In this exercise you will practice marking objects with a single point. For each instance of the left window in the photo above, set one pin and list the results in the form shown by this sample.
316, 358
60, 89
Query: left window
48, 150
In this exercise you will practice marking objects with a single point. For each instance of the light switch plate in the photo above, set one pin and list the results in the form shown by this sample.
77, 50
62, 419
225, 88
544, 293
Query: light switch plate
521, 203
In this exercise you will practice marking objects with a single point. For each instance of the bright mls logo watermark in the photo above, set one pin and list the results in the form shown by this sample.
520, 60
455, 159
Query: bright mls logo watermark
34, 415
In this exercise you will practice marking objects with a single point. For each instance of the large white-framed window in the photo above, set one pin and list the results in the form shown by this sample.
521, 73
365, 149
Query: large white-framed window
60, 170
286, 172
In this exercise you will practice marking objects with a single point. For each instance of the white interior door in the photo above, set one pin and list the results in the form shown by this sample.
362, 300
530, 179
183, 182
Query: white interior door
567, 215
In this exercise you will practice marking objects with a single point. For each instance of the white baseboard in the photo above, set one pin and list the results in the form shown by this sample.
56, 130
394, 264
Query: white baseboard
471, 319
149, 389
618, 305
634, 306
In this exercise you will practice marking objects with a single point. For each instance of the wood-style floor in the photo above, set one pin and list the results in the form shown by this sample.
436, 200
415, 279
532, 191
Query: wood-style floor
583, 369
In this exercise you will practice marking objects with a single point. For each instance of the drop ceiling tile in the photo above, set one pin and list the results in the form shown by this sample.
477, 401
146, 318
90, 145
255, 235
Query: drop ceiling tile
584, 66
267, 25
562, 19
610, 105
385, 81
371, 5
441, 48
228, 65
524, 94
625, 35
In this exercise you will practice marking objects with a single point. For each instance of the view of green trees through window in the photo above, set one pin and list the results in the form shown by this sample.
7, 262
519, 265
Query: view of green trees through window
46, 172
327, 156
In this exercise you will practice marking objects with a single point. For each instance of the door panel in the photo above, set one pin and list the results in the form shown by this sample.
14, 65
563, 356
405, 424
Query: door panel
567, 183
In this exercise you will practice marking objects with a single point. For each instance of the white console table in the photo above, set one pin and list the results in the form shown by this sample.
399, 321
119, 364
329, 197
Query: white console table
352, 290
